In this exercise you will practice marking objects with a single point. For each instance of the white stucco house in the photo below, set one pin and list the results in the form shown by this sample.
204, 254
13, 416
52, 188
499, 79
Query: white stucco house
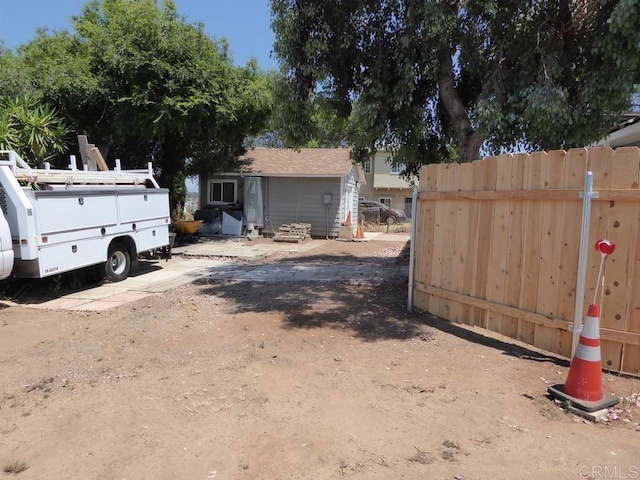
384, 183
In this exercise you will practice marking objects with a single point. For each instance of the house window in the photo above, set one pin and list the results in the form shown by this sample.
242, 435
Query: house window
222, 191
397, 169
408, 204
367, 167
386, 201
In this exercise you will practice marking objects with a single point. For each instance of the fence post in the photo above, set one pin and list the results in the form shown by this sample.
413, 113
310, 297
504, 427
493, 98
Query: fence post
587, 194
412, 245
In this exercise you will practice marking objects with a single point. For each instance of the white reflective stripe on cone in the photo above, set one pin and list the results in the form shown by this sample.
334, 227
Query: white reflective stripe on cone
590, 329
588, 354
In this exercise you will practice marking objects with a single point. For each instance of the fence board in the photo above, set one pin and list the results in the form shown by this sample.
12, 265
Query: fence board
513, 275
631, 353
485, 227
499, 243
447, 232
568, 243
552, 177
471, 267
608, 195
531, 246
428, 182
460, 242
601, 164
440, 240
574, 176
623, 227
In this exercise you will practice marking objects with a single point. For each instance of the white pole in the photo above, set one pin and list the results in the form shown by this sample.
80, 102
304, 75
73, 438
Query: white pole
586, 195
412, 245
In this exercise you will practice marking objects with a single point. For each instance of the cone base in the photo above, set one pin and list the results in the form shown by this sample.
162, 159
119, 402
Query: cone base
609, 400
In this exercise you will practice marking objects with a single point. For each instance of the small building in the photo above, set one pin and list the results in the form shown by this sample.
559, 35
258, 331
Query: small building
273, 187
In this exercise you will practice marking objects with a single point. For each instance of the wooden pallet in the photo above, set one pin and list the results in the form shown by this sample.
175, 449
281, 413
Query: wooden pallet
293, 233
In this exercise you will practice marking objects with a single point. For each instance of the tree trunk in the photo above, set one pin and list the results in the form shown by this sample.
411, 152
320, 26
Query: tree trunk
469, 140
172, 176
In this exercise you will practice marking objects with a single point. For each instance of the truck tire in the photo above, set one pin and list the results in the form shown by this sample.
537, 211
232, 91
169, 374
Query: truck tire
118, 263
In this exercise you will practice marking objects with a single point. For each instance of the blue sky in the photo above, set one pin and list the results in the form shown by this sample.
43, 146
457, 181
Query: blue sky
245, 23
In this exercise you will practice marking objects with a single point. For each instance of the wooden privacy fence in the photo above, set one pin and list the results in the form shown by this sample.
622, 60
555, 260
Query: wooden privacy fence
497, 244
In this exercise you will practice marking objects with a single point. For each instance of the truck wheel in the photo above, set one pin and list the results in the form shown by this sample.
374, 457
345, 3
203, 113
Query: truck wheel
118, 263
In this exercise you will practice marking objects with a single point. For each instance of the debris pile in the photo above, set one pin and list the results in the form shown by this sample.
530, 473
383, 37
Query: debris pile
294, 232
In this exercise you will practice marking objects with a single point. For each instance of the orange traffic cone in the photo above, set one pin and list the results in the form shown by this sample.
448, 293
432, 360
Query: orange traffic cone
584, 381
360, 232
348, 222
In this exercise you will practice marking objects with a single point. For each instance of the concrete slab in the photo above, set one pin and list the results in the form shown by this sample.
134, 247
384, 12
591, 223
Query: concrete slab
112, 301
178, 281
245, 249
102, 291
387, 237
156, 276
62, 303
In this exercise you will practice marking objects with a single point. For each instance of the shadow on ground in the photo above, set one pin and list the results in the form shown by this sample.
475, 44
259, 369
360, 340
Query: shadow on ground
396, 256
40, 290
510, 349
372, 311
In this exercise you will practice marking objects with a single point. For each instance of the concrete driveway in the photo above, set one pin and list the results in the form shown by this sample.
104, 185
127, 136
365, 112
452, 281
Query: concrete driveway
192, 262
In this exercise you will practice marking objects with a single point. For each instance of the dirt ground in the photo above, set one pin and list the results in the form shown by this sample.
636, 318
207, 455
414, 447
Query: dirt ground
291, 381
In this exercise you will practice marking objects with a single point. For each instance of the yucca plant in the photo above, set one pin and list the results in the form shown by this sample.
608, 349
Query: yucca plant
32, 129
8, 132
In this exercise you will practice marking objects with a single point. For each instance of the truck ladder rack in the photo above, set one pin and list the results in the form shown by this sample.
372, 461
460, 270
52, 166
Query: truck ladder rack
73, 176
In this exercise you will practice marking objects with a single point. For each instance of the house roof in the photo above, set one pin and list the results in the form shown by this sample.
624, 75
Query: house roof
625, 134
307, 162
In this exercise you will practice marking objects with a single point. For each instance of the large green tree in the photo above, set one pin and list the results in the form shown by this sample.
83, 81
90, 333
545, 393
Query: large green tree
146, 85
322, 128
13, 78
432, 80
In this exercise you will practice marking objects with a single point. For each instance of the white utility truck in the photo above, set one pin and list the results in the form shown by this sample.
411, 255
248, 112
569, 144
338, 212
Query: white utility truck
58, 220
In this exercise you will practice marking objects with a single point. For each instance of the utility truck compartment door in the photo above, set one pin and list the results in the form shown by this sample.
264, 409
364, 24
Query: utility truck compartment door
66, 211
151, 204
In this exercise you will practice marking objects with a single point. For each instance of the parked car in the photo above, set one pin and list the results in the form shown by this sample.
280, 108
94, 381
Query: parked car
377, 212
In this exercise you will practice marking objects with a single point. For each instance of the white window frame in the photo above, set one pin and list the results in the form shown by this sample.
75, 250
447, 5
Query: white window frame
212, 201
385, 200
366, 167
396, 169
